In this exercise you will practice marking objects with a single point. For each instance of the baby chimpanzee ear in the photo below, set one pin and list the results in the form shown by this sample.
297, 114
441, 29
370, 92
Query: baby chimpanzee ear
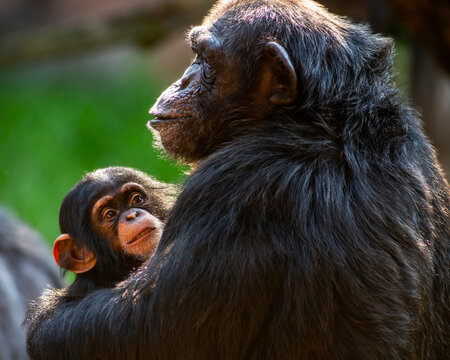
70, 257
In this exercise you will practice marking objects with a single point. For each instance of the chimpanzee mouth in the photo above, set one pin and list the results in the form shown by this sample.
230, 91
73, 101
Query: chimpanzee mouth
142, 235
161, 118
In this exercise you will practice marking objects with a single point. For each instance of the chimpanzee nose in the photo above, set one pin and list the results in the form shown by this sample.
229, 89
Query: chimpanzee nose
184, 82
133, 215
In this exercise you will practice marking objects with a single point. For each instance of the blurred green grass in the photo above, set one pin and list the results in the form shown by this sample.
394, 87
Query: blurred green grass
59, 122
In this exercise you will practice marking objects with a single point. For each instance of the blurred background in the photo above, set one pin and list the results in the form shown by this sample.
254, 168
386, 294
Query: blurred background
77, 78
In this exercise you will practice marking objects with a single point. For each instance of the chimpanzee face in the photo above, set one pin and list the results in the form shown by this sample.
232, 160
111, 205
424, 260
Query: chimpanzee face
215, 101
113, 217
121, 218
185, 112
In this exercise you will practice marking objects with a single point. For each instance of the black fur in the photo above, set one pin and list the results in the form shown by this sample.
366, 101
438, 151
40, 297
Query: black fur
316, 231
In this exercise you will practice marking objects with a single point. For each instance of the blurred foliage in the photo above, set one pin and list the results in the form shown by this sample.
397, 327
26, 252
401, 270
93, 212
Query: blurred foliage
59, 121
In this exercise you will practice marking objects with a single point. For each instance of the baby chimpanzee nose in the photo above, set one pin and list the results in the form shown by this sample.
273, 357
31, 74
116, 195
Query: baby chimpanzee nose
133, 215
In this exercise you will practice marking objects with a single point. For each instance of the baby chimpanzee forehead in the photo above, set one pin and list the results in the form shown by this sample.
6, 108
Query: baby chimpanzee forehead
131, 186
116, 193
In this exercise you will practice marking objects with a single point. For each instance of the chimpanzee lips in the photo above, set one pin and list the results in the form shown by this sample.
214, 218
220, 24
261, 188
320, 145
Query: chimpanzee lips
161, 118
143, 234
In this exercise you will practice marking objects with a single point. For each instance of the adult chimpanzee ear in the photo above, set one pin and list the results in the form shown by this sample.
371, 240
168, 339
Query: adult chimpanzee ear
283, 79
70, 257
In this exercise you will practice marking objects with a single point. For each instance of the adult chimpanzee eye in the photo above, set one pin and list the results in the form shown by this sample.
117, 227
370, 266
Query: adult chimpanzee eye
108, 214
208, 73
136, 199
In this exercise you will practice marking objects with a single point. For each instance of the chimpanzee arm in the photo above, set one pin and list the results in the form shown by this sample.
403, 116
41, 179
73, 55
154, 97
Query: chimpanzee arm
84, 328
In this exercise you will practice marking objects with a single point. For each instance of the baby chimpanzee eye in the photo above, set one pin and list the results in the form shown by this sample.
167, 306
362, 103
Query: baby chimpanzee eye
136, 199
108, 214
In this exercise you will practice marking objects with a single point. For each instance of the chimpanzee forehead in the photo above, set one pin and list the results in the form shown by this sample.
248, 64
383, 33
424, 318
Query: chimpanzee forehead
113, 191
202, 37
131, 186
197, 33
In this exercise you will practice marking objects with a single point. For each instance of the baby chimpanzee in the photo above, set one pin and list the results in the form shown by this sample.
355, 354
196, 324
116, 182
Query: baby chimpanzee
111, 222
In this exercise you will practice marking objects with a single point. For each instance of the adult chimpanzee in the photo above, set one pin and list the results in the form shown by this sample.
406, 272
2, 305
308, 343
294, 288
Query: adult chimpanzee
315, 225
111, 222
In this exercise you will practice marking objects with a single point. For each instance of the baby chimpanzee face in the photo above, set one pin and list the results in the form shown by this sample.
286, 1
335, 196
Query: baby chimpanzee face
121, 218
112, 218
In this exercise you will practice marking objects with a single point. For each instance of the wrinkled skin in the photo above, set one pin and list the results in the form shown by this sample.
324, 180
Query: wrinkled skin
315, 224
